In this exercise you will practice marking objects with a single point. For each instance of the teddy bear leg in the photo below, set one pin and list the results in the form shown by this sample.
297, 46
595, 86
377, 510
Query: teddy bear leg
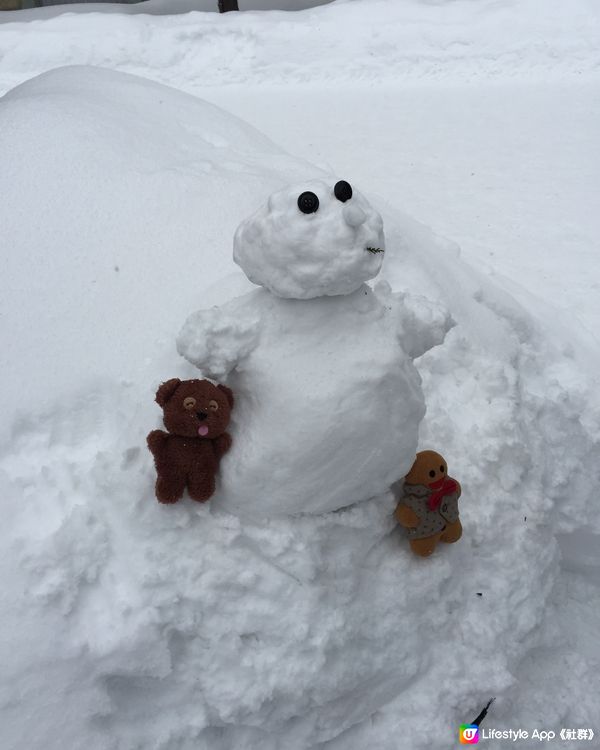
201, 486
452, 533
424, 547
169, 488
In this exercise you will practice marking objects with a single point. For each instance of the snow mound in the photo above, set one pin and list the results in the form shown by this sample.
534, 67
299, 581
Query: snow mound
127, 624
131, 211
340, 42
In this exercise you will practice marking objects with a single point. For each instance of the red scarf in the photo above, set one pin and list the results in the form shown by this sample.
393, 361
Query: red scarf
443, 486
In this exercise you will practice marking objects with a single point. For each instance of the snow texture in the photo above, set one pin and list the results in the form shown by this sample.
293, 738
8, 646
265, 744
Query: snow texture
130, 625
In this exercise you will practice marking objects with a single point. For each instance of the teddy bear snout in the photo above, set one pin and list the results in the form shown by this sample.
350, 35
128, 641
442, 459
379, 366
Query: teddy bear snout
201, 415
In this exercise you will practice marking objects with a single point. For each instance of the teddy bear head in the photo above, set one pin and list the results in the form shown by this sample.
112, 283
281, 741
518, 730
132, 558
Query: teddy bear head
195, 408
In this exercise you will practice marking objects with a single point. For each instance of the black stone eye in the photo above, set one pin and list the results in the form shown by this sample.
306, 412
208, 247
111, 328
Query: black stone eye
342, 191
432, 473
442, 469
308, 203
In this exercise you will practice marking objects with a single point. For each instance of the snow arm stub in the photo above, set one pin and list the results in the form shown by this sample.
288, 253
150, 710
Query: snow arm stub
421, 323
216, 340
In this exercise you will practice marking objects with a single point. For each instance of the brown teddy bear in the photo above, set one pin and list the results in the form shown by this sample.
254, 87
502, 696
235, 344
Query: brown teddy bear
196, 415
428, 508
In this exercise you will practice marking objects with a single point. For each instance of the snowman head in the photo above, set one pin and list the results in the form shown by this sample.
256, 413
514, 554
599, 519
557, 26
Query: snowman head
311, 240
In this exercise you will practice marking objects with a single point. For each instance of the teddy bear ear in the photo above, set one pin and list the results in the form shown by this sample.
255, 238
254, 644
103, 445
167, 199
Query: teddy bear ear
166, 390
228, 394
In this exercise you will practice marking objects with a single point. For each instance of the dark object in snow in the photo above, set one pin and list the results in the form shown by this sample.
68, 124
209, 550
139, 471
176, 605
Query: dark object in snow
342, 191
481, 716
479, 593
226, 5
26, 4
196, 415
308, 203
428, 508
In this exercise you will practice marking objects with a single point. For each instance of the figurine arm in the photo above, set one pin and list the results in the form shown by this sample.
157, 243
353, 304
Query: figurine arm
216, 340
407, 517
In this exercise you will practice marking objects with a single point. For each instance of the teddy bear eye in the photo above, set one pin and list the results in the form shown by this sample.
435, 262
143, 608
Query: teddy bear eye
189, 403
442, 469
213, 406
432, 473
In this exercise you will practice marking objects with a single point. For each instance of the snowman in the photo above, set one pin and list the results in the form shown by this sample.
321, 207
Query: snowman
328, 400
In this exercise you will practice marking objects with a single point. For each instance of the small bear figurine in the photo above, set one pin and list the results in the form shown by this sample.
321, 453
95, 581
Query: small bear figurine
196, 415
428, 508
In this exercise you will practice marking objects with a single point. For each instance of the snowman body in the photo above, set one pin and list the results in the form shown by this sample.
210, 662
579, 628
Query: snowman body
328, 401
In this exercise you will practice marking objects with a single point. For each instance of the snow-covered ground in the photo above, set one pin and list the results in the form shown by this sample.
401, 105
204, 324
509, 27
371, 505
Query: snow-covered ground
129, 625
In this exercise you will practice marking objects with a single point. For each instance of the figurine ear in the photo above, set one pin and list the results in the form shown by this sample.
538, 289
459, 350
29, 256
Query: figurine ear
228, 394
166, 390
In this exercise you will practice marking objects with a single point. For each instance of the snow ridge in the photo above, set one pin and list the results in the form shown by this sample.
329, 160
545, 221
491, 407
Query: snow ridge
418, 41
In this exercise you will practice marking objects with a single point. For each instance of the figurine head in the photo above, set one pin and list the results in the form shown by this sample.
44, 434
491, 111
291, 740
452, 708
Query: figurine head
429, 469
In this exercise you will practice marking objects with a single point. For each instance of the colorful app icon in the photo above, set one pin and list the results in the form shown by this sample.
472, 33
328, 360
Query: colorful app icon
469, 734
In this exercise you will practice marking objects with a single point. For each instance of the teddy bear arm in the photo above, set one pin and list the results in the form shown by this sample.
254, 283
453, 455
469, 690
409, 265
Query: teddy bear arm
407, 517
157, 441
222, 444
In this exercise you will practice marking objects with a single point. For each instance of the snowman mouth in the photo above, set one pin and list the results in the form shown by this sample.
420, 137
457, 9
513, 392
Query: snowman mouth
374, 250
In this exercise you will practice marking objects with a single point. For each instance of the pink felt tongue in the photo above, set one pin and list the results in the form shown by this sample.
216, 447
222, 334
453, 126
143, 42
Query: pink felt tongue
203, 430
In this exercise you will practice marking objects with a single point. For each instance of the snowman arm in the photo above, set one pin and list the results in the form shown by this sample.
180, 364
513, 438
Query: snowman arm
216, 340
421, 323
